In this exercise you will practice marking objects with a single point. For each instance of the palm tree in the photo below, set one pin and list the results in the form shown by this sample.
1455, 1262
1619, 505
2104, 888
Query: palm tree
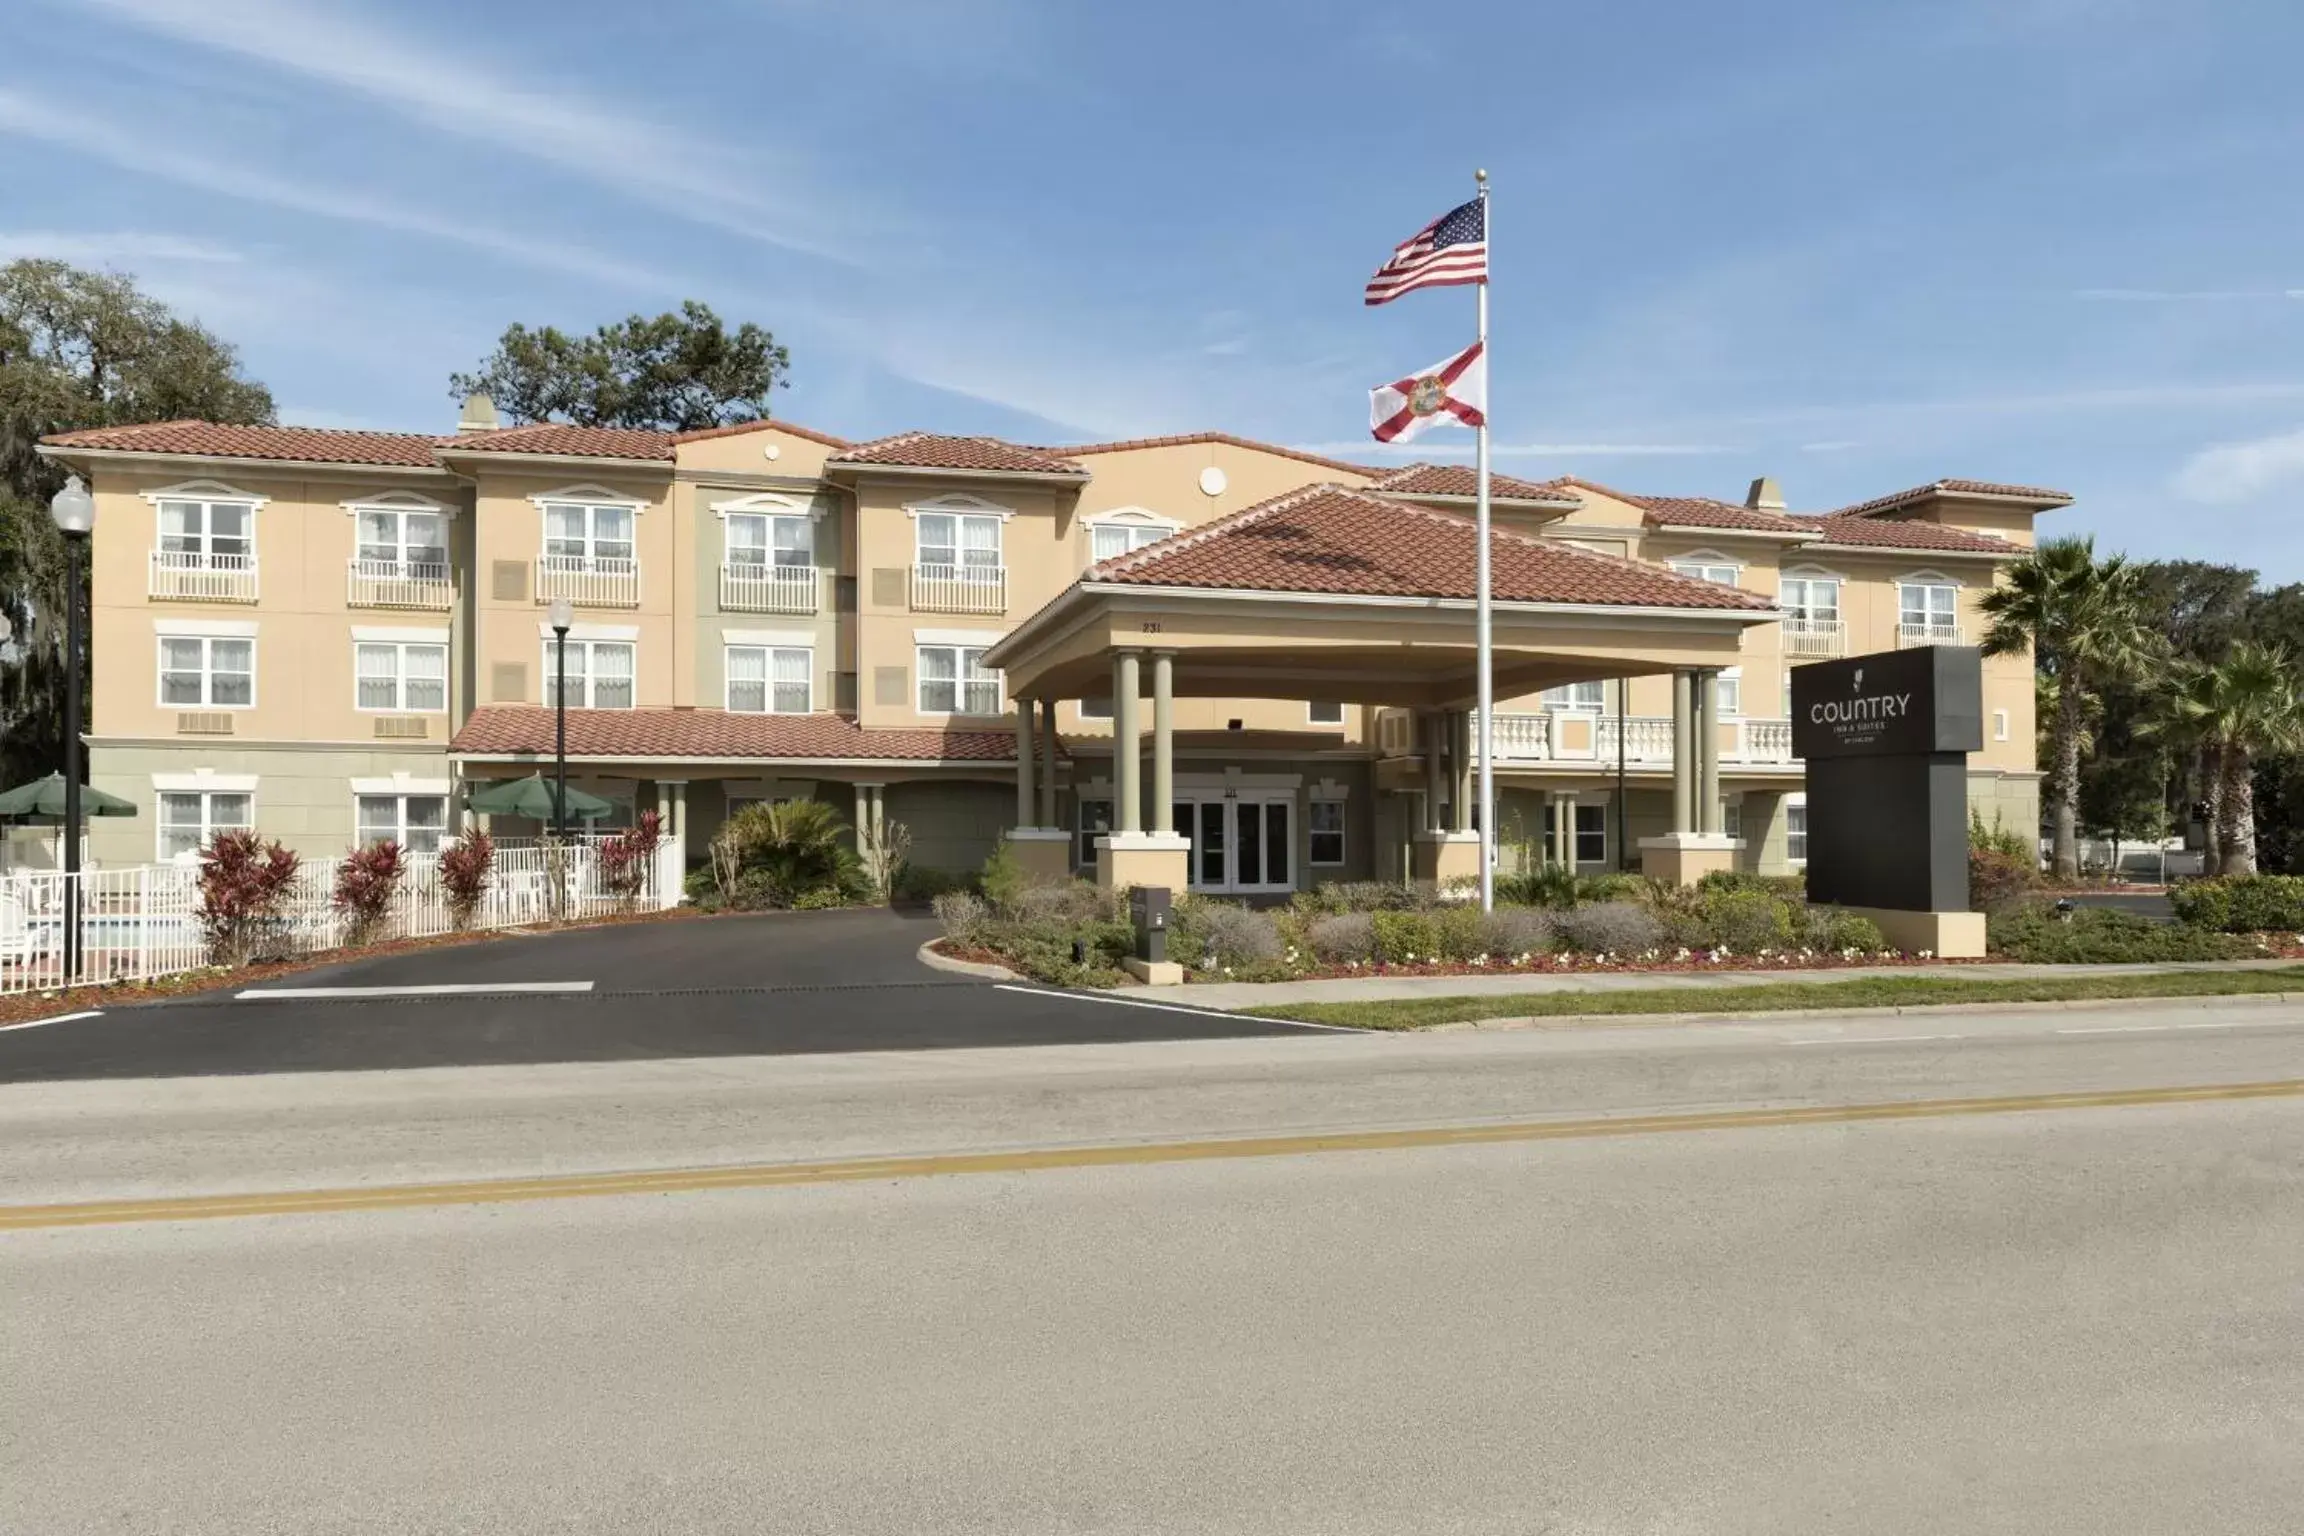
2241, 708
2083, 621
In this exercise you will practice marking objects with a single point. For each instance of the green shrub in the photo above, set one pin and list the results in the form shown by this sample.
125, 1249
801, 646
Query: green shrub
1745, 919
1358, 896
1238, 938
819, 899
1342, 938
1998, 882
1618, 886
1834, 930
1045, 951
918, 882
1002, 878
1403, 938
766, 856
964, 915
1510, 932
1460, 933
1609, 928
2008, 842
2242, 903
2103, 936
1548, 886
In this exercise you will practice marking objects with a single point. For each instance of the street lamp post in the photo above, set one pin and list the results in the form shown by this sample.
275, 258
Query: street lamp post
75, 513
563, 615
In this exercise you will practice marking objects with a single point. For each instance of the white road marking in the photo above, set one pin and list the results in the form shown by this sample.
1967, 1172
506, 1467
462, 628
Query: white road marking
61, 1018
1206, 1013
473, 989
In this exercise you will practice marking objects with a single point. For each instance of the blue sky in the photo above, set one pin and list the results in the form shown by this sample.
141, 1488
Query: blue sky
1856, 246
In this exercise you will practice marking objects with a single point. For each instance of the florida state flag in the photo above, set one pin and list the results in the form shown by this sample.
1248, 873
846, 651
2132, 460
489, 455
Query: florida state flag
1449, 393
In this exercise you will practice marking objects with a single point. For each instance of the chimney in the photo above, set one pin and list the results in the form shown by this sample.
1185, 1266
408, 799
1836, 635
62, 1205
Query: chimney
479, 415
1765, 496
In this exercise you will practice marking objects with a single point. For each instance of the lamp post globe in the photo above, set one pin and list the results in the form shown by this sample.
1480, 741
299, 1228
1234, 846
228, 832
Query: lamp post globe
75, 513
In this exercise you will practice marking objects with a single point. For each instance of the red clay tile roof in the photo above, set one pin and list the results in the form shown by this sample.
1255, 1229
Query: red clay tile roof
1902, 533
572, 442
1704, 512
1217, 437
503, 729
316, 445
701, 433
2039, 496
1331, 539
929, 450
1460, 480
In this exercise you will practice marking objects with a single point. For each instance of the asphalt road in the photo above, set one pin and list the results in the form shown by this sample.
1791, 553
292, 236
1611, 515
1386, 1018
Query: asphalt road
731, 986
2039, 1319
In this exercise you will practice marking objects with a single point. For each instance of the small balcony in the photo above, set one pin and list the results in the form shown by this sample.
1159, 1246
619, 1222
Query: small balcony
960, 588
589, 581
398, 584
198, 577
1946, 633
1580, 736
1814, 637
770, 588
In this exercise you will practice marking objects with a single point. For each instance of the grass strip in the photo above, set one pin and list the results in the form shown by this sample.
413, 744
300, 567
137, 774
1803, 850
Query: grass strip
1777, 996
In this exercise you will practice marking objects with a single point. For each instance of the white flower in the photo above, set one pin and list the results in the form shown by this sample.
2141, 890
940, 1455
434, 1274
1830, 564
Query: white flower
1927, 954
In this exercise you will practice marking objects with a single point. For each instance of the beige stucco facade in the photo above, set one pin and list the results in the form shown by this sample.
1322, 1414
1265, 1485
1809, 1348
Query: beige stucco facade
1317, 717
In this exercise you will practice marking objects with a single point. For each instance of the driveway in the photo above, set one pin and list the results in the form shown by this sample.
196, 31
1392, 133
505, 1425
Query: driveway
772, 984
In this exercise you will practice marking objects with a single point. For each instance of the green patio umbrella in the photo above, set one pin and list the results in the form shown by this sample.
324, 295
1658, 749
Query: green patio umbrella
43, 800
532, 797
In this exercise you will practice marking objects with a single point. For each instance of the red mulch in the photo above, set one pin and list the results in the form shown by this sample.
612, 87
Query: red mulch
23, 1007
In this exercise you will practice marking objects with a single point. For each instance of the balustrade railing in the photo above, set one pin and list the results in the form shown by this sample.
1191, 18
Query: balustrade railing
960, 588
398, 584
196, 576
589, 581
770, 588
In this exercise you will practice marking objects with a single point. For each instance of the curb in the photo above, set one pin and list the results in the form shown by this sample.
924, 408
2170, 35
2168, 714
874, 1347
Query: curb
928, 957
1899, 1010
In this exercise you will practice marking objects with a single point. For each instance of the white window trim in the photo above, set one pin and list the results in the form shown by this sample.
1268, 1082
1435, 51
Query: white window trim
204, 787
403, 793
728, 681
205, 490
397, 501
1343, 834
1926, 579
170, 632
1707, 559
1815, 573
384, 634
1739, 712
398, 784
590, 632
784, 639
549, 676
1792, 802
589, 496
1326, 725
400, 674
984, 637
1999, 725
769, 504
1130, 518
959, 682
959, 506
206, 629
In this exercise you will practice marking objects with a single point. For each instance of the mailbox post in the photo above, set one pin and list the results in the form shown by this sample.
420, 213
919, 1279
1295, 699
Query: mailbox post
1148, 909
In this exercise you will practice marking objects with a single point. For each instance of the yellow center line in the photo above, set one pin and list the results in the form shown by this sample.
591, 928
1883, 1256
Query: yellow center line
932, 1165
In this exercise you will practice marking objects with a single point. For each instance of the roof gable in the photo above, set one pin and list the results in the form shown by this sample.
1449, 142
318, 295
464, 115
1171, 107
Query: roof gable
930, 450
1461, 482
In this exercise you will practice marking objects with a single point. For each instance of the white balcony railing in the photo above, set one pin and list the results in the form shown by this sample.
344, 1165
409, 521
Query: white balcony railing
1947, 633
590, 581
1537, 737
960, 588
199, 577
397, 584
1814, 637
769, 588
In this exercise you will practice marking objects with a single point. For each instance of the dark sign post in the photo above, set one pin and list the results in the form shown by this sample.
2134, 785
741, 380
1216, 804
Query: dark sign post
1886, 739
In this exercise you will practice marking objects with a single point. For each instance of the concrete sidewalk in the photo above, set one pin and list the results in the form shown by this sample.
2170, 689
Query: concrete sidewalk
1362, 989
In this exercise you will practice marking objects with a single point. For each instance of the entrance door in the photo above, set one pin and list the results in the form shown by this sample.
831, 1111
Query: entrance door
1241, 846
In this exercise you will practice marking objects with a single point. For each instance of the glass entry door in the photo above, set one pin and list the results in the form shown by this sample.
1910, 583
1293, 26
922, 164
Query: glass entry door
1240, 846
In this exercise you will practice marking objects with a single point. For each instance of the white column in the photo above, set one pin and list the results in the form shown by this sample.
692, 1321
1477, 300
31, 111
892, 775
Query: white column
1708, 751
1435, 733
1048, 762
1683, 751
1127, 745
1024, 796
1463, 768
1163, 740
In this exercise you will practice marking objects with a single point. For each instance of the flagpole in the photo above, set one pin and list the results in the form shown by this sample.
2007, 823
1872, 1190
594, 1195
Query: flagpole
1485, 638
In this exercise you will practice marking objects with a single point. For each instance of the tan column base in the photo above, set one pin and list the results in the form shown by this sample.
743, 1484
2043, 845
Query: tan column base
1154, 973
1683, 858
1946, 935
1043, 853
1441, 861
1128, 859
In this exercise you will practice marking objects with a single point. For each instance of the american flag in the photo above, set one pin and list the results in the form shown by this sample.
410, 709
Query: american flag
1451, 249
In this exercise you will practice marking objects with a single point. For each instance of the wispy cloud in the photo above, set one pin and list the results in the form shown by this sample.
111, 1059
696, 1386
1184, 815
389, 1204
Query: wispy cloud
448, 92
151, 152
2184, 295
2228, 473
112, 248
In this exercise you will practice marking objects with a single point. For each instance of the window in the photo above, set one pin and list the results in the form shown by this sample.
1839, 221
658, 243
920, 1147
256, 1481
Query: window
955, 681
599, 673
1095, 709
758, 540
188, 818
578, 535
1813, 598
1999, 724
215, 534
1327, 832
402, 675
404, 540
1708, 567
207, 672
1796, 833
1732, 818
1591, 831
770, 679
1107, 541
1591, 695
1324, 714
960, 541
1095, 819
415, 822
1728, 691
1931, 606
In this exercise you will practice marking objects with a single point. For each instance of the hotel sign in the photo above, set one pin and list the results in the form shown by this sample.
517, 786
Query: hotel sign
1892, 703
